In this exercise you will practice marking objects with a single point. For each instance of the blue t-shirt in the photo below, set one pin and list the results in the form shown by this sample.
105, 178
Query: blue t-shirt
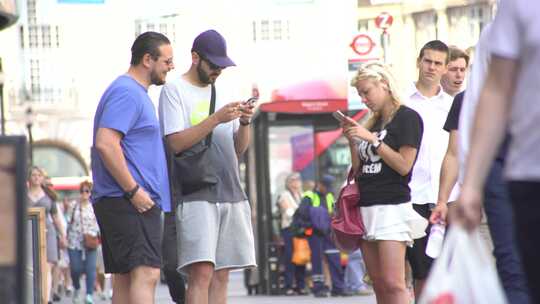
126, 107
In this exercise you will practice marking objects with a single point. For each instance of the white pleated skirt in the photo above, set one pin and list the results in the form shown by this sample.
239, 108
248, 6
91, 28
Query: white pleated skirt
393, 223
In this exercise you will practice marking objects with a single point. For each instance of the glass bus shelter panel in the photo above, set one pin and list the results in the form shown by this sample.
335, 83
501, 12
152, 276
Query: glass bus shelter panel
336, 161
290, 148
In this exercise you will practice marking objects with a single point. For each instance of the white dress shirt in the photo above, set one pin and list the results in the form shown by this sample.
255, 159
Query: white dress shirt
426, 172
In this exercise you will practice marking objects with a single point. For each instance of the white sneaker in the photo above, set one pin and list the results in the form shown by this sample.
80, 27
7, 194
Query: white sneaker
77, 298
89, 299
364, 290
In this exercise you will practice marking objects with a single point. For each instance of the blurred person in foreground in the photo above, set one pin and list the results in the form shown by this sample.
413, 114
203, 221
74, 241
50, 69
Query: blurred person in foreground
383, 153
129, 169
38, 197
82, 259
213, 223
288, 202
509, 102
497, 206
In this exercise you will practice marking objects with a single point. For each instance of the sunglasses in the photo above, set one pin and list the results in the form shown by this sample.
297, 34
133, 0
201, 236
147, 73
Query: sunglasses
85, 191
210, 64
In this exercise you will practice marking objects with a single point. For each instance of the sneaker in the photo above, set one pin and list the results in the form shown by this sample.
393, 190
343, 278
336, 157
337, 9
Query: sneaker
364, 291
56, 297
68, 291
289, 292
103, 296
89, 299
77, 298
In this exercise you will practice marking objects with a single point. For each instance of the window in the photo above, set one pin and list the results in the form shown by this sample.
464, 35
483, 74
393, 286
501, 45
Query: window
466, 23
150, 27
34, 76
46, 36
271, 30
21, 36
57, 32
32, 36
265, 30
363, 25
277, 29
163, 29
426, 28
254, 31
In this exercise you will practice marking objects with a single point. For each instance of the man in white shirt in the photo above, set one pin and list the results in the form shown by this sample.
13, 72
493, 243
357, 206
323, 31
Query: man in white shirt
509, 101
428, 98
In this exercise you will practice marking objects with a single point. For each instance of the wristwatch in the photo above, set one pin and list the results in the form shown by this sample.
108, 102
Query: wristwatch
245, 123
376, 143
131, 193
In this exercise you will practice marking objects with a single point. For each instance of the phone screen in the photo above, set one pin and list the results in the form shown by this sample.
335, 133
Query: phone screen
339, 115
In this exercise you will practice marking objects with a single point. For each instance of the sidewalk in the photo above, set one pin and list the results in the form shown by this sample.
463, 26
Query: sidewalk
238, 295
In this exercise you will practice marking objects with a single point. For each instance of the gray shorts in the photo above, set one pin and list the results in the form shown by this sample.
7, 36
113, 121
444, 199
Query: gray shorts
219, 233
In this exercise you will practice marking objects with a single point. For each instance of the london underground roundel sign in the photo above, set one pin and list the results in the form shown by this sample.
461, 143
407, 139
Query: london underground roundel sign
362, 44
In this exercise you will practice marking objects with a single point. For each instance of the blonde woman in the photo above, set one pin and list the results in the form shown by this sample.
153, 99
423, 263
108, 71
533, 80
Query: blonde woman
383, 153
288, 202
38, 197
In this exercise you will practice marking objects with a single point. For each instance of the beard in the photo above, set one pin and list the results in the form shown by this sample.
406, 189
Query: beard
155, 79
203, 76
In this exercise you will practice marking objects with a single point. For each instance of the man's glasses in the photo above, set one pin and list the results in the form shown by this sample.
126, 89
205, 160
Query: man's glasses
210, 64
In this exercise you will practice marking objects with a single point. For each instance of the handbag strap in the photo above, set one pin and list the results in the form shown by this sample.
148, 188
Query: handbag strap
350, 177
208, 139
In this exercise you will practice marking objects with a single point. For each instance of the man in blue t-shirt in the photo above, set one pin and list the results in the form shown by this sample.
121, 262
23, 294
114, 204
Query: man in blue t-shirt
130, 174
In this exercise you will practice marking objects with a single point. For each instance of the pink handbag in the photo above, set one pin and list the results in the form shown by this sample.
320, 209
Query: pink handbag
347, 225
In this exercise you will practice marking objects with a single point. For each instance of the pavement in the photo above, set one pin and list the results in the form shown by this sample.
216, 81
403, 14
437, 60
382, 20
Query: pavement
238, 295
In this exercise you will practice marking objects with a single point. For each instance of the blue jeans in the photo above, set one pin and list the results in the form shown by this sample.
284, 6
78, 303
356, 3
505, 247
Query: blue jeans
500, 217
355, 271
292, 270
79, 266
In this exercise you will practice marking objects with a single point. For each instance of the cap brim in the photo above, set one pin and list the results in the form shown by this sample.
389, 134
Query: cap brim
221, 61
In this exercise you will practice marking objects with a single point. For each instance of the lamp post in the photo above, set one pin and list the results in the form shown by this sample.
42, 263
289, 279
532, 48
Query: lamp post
29, 115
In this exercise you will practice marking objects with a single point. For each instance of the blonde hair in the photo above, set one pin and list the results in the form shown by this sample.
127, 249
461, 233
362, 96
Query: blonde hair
379, 72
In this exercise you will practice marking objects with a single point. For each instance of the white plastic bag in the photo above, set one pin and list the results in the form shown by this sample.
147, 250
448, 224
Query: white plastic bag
463, 273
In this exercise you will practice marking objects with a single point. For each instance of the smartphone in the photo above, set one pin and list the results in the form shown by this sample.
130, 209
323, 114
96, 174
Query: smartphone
251, 101
339, 115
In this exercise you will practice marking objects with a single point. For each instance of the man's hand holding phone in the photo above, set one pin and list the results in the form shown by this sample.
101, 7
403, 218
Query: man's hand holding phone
246, 108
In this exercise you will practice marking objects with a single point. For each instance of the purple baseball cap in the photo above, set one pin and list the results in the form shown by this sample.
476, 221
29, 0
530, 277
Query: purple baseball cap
212, 46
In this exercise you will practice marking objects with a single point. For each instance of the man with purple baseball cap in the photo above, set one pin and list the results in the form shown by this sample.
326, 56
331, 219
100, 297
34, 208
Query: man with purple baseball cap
211, 46
213, 221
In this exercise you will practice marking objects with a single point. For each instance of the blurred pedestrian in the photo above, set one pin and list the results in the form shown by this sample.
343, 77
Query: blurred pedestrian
454, 79
313, 215
214, 221
428, 99
38, 197
383, 152
288, 202
509, 102
355, 273
129, 170
82, 259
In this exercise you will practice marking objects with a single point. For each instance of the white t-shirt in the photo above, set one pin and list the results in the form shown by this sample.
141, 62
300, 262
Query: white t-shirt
515, 34
183, 105
475, 83
426, 172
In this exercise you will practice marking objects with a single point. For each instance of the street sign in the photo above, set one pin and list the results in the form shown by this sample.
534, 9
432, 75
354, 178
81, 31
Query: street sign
384, 20
362, 44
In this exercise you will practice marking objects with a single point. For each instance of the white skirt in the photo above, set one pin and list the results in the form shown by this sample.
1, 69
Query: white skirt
393, 223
